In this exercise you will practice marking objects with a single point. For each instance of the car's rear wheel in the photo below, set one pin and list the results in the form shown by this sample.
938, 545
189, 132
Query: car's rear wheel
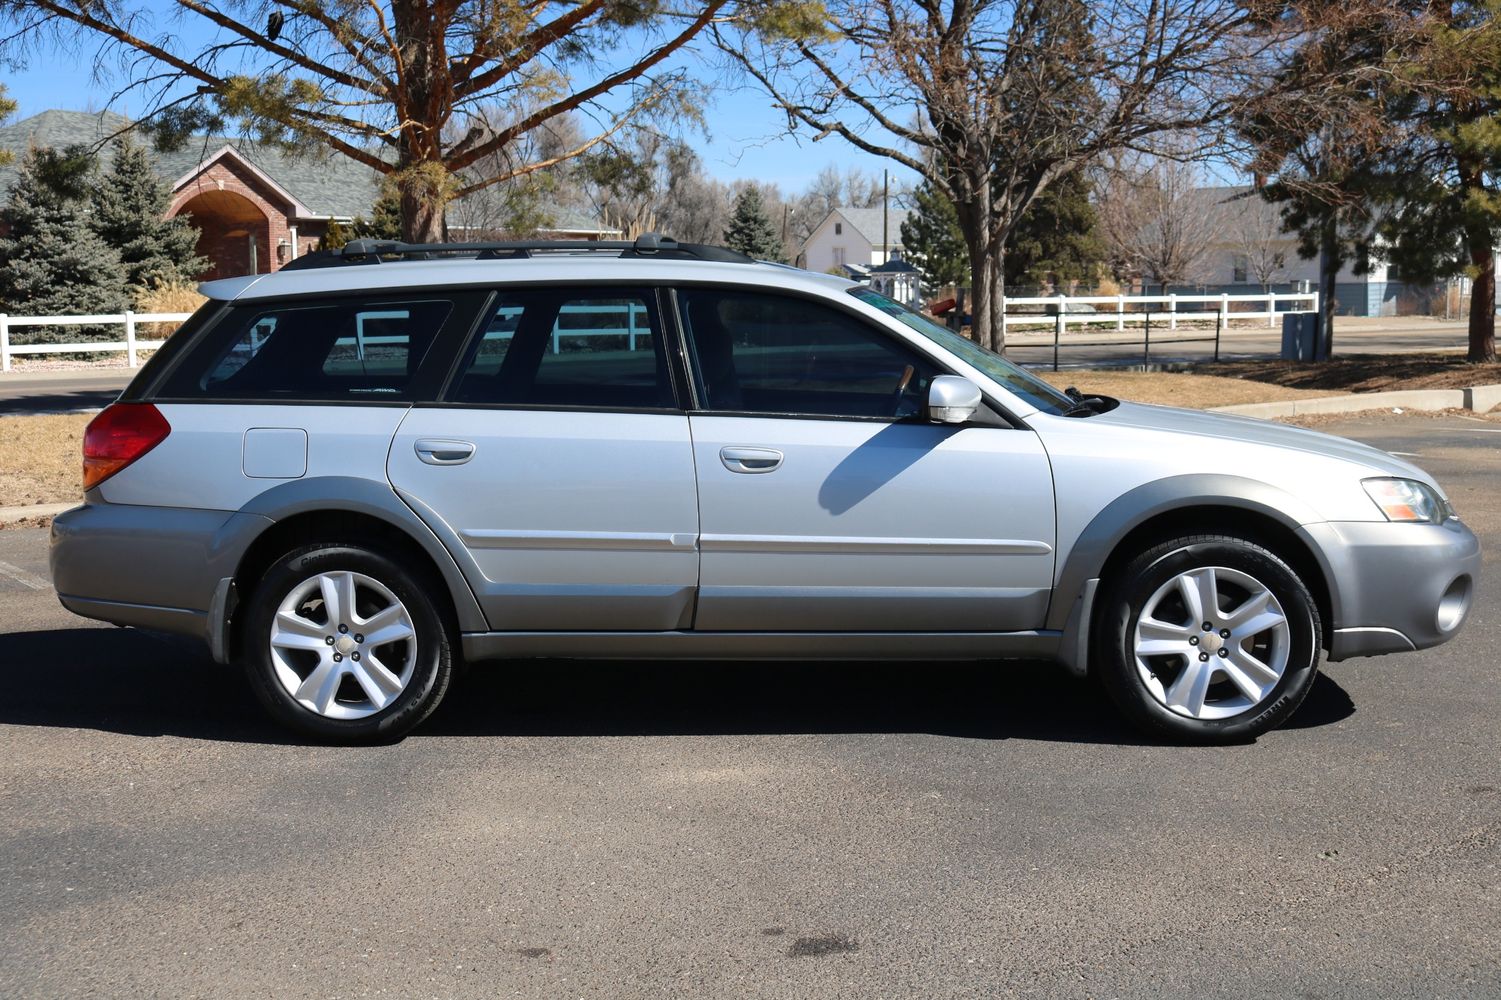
1207, 638
342, 643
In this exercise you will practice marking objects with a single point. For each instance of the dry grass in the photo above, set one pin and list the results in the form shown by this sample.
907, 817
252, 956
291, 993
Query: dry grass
1176, 388
41, 459
1363, 372
179, 297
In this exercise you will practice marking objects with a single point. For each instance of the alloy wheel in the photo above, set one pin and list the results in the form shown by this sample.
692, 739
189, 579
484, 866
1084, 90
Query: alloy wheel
1211, 643
343, 645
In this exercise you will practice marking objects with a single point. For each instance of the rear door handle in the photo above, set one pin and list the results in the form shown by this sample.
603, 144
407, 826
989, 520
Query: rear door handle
750, 460
436, 451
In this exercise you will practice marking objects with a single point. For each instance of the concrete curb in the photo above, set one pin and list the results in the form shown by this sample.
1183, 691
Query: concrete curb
1480, 399
9, 514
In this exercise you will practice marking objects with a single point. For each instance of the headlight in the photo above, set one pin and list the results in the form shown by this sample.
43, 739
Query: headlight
1408, 500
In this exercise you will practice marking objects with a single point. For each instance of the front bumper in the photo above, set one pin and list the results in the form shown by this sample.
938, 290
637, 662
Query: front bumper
164, 568
1395, 587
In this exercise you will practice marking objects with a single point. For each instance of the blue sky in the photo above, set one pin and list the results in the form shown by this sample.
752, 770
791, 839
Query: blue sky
746, 137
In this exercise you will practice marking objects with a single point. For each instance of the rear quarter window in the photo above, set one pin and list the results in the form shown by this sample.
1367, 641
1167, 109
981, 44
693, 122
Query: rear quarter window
314, 350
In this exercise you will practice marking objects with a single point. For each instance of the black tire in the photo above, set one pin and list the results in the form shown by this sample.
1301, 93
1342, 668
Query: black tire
1123, 599
431, 672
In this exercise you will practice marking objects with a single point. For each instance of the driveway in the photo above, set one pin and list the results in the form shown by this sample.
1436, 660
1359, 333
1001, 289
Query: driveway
728, 830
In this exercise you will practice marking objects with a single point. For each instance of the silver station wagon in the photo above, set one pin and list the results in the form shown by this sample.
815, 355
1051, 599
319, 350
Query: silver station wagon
352, 474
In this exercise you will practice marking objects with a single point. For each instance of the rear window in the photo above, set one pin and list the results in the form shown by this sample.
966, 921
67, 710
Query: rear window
335, 350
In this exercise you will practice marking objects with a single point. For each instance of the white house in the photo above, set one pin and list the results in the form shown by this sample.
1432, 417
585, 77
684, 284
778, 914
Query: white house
1250, 249
854, 238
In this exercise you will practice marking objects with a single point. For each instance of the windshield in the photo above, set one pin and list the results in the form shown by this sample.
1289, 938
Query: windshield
1016, 379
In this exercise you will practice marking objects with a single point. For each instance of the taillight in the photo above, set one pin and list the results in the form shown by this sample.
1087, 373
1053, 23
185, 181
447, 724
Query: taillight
122, 433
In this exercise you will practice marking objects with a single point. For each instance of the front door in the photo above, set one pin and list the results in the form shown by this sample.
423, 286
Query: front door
563, 464
828, 504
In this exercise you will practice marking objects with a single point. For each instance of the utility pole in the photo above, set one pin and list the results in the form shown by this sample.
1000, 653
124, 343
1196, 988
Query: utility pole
885, 217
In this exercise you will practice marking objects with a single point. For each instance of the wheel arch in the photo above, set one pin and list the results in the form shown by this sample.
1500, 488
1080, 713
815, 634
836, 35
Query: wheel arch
354, 510
1185, 505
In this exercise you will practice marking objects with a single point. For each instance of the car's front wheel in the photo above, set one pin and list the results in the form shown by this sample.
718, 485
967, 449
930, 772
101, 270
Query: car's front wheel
342, 643
1207, 638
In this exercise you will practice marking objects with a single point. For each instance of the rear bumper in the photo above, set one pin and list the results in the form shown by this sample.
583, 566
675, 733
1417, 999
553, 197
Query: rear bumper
1396, 587
164, 568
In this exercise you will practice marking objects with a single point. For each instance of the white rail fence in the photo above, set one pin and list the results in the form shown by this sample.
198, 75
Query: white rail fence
1061, 311
1057, 312
130, 345
1122, 309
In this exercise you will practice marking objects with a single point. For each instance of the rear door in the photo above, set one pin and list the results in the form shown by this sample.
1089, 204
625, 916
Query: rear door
829, 504
561, 459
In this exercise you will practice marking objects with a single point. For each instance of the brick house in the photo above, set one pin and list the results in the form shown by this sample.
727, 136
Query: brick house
255, 206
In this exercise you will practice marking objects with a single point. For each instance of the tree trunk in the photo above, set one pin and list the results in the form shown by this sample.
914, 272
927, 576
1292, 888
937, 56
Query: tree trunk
1329, 264
973, 209
1483, 303
421, 208
1481, 247
423, 105
985, 295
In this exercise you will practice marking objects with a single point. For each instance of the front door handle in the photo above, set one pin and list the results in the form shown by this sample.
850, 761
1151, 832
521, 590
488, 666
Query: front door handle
435, 451
750, 460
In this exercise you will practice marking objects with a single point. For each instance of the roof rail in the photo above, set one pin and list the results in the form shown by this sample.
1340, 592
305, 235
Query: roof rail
648, 246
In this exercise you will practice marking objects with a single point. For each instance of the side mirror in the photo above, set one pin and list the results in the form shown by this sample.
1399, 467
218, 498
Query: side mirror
952, 399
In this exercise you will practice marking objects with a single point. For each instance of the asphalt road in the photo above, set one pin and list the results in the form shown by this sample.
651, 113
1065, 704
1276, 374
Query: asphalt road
62, 391
720, 830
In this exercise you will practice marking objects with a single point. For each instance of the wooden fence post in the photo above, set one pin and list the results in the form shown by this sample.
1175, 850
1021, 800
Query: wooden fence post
1172, 311
4, 343
1271, 310
1058, 327
130, 338
1120, 312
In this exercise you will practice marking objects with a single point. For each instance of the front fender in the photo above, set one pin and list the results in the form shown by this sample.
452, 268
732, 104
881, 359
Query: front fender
1071, 610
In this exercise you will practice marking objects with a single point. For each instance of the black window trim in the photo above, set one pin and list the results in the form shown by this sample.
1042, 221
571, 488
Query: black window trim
422, 382
672, 345
990, 414
483, 294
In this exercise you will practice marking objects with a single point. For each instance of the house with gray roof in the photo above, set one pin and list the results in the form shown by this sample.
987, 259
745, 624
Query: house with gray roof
256, 206
855, 239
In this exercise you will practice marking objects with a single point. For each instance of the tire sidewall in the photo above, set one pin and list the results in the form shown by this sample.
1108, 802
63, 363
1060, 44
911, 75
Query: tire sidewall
430, 675
1142, 578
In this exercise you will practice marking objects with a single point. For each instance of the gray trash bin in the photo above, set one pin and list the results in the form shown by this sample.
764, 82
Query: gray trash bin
1300, 337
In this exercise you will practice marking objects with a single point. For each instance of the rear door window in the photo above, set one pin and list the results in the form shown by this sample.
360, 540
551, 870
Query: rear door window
569, 347
316, 350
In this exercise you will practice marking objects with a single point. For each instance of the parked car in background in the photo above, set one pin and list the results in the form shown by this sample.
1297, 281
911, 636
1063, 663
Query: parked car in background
351, 474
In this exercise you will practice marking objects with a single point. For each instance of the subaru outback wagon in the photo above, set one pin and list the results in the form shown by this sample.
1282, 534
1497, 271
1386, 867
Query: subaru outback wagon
352, 474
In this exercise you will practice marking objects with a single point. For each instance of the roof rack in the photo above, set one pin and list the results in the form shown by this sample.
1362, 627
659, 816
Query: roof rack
648, 246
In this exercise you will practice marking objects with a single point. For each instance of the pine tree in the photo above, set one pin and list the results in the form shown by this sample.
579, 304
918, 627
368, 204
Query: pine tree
1445, 213
51, 262
751, 231
932, 241
335, 236
130, 203
1057, 239
385, 217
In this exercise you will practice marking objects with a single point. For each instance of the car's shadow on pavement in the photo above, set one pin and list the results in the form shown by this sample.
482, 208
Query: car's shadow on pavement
144, 684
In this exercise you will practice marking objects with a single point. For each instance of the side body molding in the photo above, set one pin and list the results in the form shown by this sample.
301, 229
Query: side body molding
377, 500
1087, 555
